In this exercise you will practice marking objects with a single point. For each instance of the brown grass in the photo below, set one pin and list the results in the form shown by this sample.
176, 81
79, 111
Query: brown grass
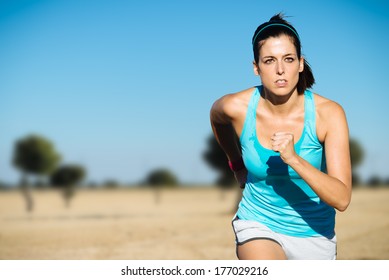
187, 224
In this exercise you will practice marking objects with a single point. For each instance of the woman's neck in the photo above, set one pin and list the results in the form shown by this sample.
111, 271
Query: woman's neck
282, 105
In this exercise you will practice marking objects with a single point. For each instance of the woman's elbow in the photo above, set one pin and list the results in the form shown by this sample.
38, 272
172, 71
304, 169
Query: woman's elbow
342, 207
343, 204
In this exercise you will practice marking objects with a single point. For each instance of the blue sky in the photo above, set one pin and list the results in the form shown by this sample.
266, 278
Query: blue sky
124, 87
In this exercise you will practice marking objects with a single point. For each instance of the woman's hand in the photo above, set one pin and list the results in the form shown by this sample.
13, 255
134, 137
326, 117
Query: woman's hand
283, 142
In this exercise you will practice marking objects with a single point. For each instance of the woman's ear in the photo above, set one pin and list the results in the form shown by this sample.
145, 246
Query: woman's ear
302, 61
256, 68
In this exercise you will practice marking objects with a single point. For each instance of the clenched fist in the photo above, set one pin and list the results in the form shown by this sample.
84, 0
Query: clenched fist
283, 142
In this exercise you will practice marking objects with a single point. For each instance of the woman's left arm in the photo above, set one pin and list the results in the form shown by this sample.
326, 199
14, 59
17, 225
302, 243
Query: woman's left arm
333, 187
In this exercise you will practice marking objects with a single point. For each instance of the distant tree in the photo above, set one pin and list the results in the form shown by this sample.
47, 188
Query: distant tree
40, 183
356, 155
111, 184
375, 181
34, 155
92, 185
3, 186
66, 178
159, 178
216, 159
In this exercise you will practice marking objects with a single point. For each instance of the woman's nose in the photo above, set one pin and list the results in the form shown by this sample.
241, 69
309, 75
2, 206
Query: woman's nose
280, 68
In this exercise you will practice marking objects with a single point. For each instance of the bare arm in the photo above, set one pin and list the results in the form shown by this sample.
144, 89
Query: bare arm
334, 187
225, 117
223, 114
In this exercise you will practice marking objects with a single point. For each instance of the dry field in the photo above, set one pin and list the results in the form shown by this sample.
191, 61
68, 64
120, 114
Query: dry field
186, 224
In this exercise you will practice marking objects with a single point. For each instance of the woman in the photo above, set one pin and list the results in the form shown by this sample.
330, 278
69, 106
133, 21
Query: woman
291, 154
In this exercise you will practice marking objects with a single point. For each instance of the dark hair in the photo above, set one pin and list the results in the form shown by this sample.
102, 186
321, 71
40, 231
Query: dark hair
275, 27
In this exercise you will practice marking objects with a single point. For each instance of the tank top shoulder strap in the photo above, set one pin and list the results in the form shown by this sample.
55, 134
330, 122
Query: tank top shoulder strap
310, 114
251, 114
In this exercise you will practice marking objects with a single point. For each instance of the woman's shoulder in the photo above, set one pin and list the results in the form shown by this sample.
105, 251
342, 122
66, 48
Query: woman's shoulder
326, 107
238, 97
329, 114
233, 104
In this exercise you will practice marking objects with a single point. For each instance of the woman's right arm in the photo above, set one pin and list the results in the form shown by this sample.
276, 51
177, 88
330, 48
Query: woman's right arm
222, 116
225, 118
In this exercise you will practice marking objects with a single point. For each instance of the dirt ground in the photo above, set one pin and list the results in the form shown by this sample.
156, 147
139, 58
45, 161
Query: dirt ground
186, 224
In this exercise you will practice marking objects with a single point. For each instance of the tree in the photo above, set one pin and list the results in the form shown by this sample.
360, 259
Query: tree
111, 184
3, 186
66, 178
216, 159
356, 155
159, 178
34, 155
375, 181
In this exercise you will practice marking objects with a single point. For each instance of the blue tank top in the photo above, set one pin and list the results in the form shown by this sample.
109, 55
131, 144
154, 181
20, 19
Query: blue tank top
275, 195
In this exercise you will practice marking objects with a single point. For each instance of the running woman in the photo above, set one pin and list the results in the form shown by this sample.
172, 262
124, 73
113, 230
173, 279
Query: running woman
289, 150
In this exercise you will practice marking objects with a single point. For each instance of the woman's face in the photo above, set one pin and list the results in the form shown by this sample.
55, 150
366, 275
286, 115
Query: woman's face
278, 65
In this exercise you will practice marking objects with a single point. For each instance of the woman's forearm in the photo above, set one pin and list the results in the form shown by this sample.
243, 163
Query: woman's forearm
330, 189
226, 137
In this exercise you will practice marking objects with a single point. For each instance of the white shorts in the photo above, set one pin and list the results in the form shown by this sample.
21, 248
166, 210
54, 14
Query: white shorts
295, 248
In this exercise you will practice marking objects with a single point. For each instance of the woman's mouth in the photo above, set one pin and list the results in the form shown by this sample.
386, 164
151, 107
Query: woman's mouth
281, 83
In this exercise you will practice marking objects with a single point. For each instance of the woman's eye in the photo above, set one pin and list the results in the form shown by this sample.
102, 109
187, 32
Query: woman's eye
289, 59
268, 61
